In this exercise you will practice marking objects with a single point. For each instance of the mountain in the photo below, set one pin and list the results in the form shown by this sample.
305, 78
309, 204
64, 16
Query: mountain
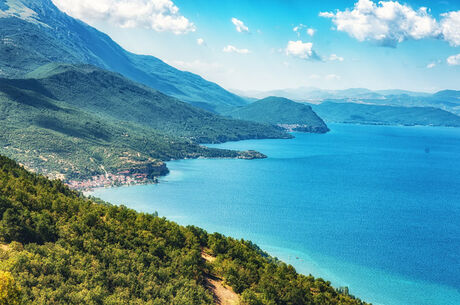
283, 112
385, 115
111, 95
58, 247
316, 94
76, 122
35, 32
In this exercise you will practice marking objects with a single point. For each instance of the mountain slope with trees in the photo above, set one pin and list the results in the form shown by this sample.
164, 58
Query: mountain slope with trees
281, 111
52, 132
57, 247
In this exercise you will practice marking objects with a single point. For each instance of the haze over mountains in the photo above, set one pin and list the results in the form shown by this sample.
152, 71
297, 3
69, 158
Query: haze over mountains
398, 102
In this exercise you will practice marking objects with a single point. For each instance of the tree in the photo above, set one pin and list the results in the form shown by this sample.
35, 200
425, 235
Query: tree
10, 293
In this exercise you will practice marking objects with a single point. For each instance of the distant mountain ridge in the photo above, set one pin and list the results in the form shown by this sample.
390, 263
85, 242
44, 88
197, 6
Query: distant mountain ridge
283, 112
316, 94
49, 35
334, 112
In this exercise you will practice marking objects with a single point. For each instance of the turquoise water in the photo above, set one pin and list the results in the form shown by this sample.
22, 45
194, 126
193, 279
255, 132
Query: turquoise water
374, 208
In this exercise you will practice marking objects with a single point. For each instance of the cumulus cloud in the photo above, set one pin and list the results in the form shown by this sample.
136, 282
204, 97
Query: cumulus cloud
233, 49
454, 60
431, 65
200, 41
239, 25
311, 32
335, 57
390, 22
159, 15
302, 50
450, 27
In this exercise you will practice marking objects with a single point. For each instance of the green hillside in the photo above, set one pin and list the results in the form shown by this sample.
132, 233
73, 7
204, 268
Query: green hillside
57, 247
111, 95
45, 35
56, 138
385, 115
281, 111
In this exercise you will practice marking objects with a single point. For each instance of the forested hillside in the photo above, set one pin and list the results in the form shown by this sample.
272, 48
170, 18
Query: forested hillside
57, 247
281, 111
76, 122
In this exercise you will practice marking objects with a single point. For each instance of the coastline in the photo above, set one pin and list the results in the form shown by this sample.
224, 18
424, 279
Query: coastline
127, 177
366, 283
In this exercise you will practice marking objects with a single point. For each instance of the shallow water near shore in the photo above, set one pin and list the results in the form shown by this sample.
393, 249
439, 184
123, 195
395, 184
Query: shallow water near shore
374, 208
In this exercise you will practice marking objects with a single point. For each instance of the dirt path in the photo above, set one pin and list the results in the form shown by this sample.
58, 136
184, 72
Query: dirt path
223, 295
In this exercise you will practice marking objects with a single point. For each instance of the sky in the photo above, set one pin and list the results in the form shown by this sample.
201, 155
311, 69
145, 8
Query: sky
275, 44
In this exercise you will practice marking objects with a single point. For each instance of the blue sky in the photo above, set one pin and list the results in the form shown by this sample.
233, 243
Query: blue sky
252, 45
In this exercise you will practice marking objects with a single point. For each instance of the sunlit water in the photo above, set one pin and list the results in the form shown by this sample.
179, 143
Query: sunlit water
373, 208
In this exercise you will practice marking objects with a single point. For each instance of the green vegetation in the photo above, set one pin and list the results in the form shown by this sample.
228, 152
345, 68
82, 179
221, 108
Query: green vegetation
10, 293
62, 248
385, 115
111, 95
54, 137
281, 111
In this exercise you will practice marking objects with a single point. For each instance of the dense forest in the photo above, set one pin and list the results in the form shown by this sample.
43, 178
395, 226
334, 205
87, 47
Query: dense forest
58, 247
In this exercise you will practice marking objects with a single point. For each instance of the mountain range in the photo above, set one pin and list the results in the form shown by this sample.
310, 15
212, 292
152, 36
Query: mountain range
334, 112
78, 121
75, 105
35, 32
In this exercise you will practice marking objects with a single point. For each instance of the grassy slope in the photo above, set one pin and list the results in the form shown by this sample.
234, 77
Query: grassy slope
388, 115
65, 249
54, 137
277, 110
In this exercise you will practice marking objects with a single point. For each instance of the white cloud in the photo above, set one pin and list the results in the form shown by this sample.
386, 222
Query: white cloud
233, 49
300, 27
387, 22
327, 14
450, 27
454, 60
334, 57
239, 25
300, 49
200, 41
431, 65
159, 15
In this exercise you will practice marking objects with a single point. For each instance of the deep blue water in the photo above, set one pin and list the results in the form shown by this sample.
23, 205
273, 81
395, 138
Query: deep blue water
375, 208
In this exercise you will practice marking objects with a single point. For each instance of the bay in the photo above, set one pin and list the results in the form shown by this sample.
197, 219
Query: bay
374, 208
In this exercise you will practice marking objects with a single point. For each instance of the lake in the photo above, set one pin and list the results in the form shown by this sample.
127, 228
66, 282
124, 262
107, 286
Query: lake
374, 208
